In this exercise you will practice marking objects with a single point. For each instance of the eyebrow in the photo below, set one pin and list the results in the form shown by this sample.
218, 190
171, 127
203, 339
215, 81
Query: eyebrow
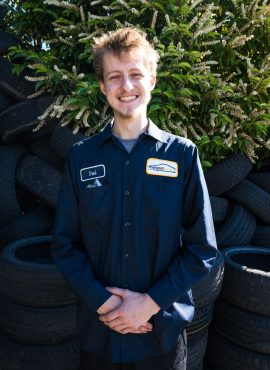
112, 72
131, 70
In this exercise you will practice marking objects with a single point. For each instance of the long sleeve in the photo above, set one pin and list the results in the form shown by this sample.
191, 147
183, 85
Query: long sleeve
198, 251
67, 248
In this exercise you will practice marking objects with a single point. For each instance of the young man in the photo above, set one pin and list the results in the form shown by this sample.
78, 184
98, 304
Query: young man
134, 228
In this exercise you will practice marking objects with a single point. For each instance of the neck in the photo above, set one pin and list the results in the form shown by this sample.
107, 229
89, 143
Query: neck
129, 129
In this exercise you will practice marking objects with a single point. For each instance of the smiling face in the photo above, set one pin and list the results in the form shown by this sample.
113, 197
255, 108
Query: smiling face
127, 84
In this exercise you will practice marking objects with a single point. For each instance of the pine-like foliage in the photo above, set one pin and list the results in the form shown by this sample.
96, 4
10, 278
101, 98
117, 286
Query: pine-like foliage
214, 73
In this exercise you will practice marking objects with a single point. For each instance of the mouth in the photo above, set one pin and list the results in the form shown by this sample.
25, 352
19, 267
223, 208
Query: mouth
128, 98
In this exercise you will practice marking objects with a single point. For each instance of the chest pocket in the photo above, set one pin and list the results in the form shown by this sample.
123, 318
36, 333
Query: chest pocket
95, 205
161, 202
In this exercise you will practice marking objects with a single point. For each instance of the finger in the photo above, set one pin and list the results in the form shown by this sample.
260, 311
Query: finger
109, 316
117, 291
134, 331
124, 329
147, 325
121, 327
114, 323
143, 327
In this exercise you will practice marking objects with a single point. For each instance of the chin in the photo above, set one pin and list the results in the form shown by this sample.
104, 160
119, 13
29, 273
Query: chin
128, 114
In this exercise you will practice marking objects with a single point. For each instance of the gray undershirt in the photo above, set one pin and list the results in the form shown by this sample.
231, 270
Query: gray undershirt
128, 143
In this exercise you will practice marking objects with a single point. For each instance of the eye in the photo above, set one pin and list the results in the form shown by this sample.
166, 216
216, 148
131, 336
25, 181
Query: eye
137, 75
114, 77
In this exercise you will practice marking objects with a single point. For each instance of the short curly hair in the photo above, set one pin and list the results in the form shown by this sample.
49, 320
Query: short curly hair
124, 40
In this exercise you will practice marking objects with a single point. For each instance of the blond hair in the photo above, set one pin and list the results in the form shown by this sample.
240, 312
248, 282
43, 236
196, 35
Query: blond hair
124, 40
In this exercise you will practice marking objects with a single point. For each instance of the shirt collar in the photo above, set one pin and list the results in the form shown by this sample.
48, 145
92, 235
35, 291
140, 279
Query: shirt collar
105, 134
152, 131
155, 132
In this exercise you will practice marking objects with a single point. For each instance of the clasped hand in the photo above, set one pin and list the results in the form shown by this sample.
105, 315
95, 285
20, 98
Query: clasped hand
128, 312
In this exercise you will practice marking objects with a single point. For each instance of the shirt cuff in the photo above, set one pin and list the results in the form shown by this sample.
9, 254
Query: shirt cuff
162, 294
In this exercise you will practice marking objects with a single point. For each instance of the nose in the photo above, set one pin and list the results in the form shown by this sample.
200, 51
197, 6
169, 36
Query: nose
127, 84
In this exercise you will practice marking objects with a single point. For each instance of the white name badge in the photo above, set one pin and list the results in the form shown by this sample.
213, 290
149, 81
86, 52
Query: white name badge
161, 167
92, 173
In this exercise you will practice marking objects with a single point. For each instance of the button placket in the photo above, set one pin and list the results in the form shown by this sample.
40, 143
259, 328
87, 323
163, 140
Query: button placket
126, 220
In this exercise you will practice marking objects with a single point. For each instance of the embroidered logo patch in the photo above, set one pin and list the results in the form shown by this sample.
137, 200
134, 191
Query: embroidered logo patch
92, 173
95, 184
161, 167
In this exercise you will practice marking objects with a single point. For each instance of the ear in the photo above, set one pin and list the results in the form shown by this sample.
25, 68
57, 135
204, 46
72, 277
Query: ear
153, 80
102, 87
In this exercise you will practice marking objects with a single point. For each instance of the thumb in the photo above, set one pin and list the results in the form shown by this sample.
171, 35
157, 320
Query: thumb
117, 291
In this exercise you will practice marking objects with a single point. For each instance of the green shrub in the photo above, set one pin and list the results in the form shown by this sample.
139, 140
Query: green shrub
214, 72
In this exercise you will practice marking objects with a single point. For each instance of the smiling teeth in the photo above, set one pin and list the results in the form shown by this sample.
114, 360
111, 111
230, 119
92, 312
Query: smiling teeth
127, 98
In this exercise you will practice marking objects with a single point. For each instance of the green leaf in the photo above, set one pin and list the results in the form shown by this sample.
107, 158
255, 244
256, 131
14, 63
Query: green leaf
203, 140
186, 92
184, 65
169, 94
195, 54
206, 164
218, 141
154, 107
264, 85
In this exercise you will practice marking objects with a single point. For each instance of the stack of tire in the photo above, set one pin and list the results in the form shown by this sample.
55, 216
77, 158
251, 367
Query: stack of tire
31, 163
240, 198
239, 335
37, 310
204, 294
240, 331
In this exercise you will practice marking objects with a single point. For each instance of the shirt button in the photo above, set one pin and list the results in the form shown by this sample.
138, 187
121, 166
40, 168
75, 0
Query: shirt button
126, 255
127, 192
127, 224
127, 162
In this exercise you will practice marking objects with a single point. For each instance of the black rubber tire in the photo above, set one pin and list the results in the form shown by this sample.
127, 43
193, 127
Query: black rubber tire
6, 101
22, 118
18, 87
261, 179
206, 365
6, 41
40, 179
219, 208
10, 157
227, 173
36, 222
196, 349
208, 288
261, 236
238, 227
41, 148
253, 198
246, 280
29, 277
26, 200
37, 326
199, 367
62, 138
201, 321
244, 328
15, 356
222, 354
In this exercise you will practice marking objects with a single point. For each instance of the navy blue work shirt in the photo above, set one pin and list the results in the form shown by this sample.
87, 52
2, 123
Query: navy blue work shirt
141, 221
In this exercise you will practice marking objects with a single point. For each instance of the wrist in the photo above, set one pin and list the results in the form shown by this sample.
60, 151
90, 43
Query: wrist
154, 306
